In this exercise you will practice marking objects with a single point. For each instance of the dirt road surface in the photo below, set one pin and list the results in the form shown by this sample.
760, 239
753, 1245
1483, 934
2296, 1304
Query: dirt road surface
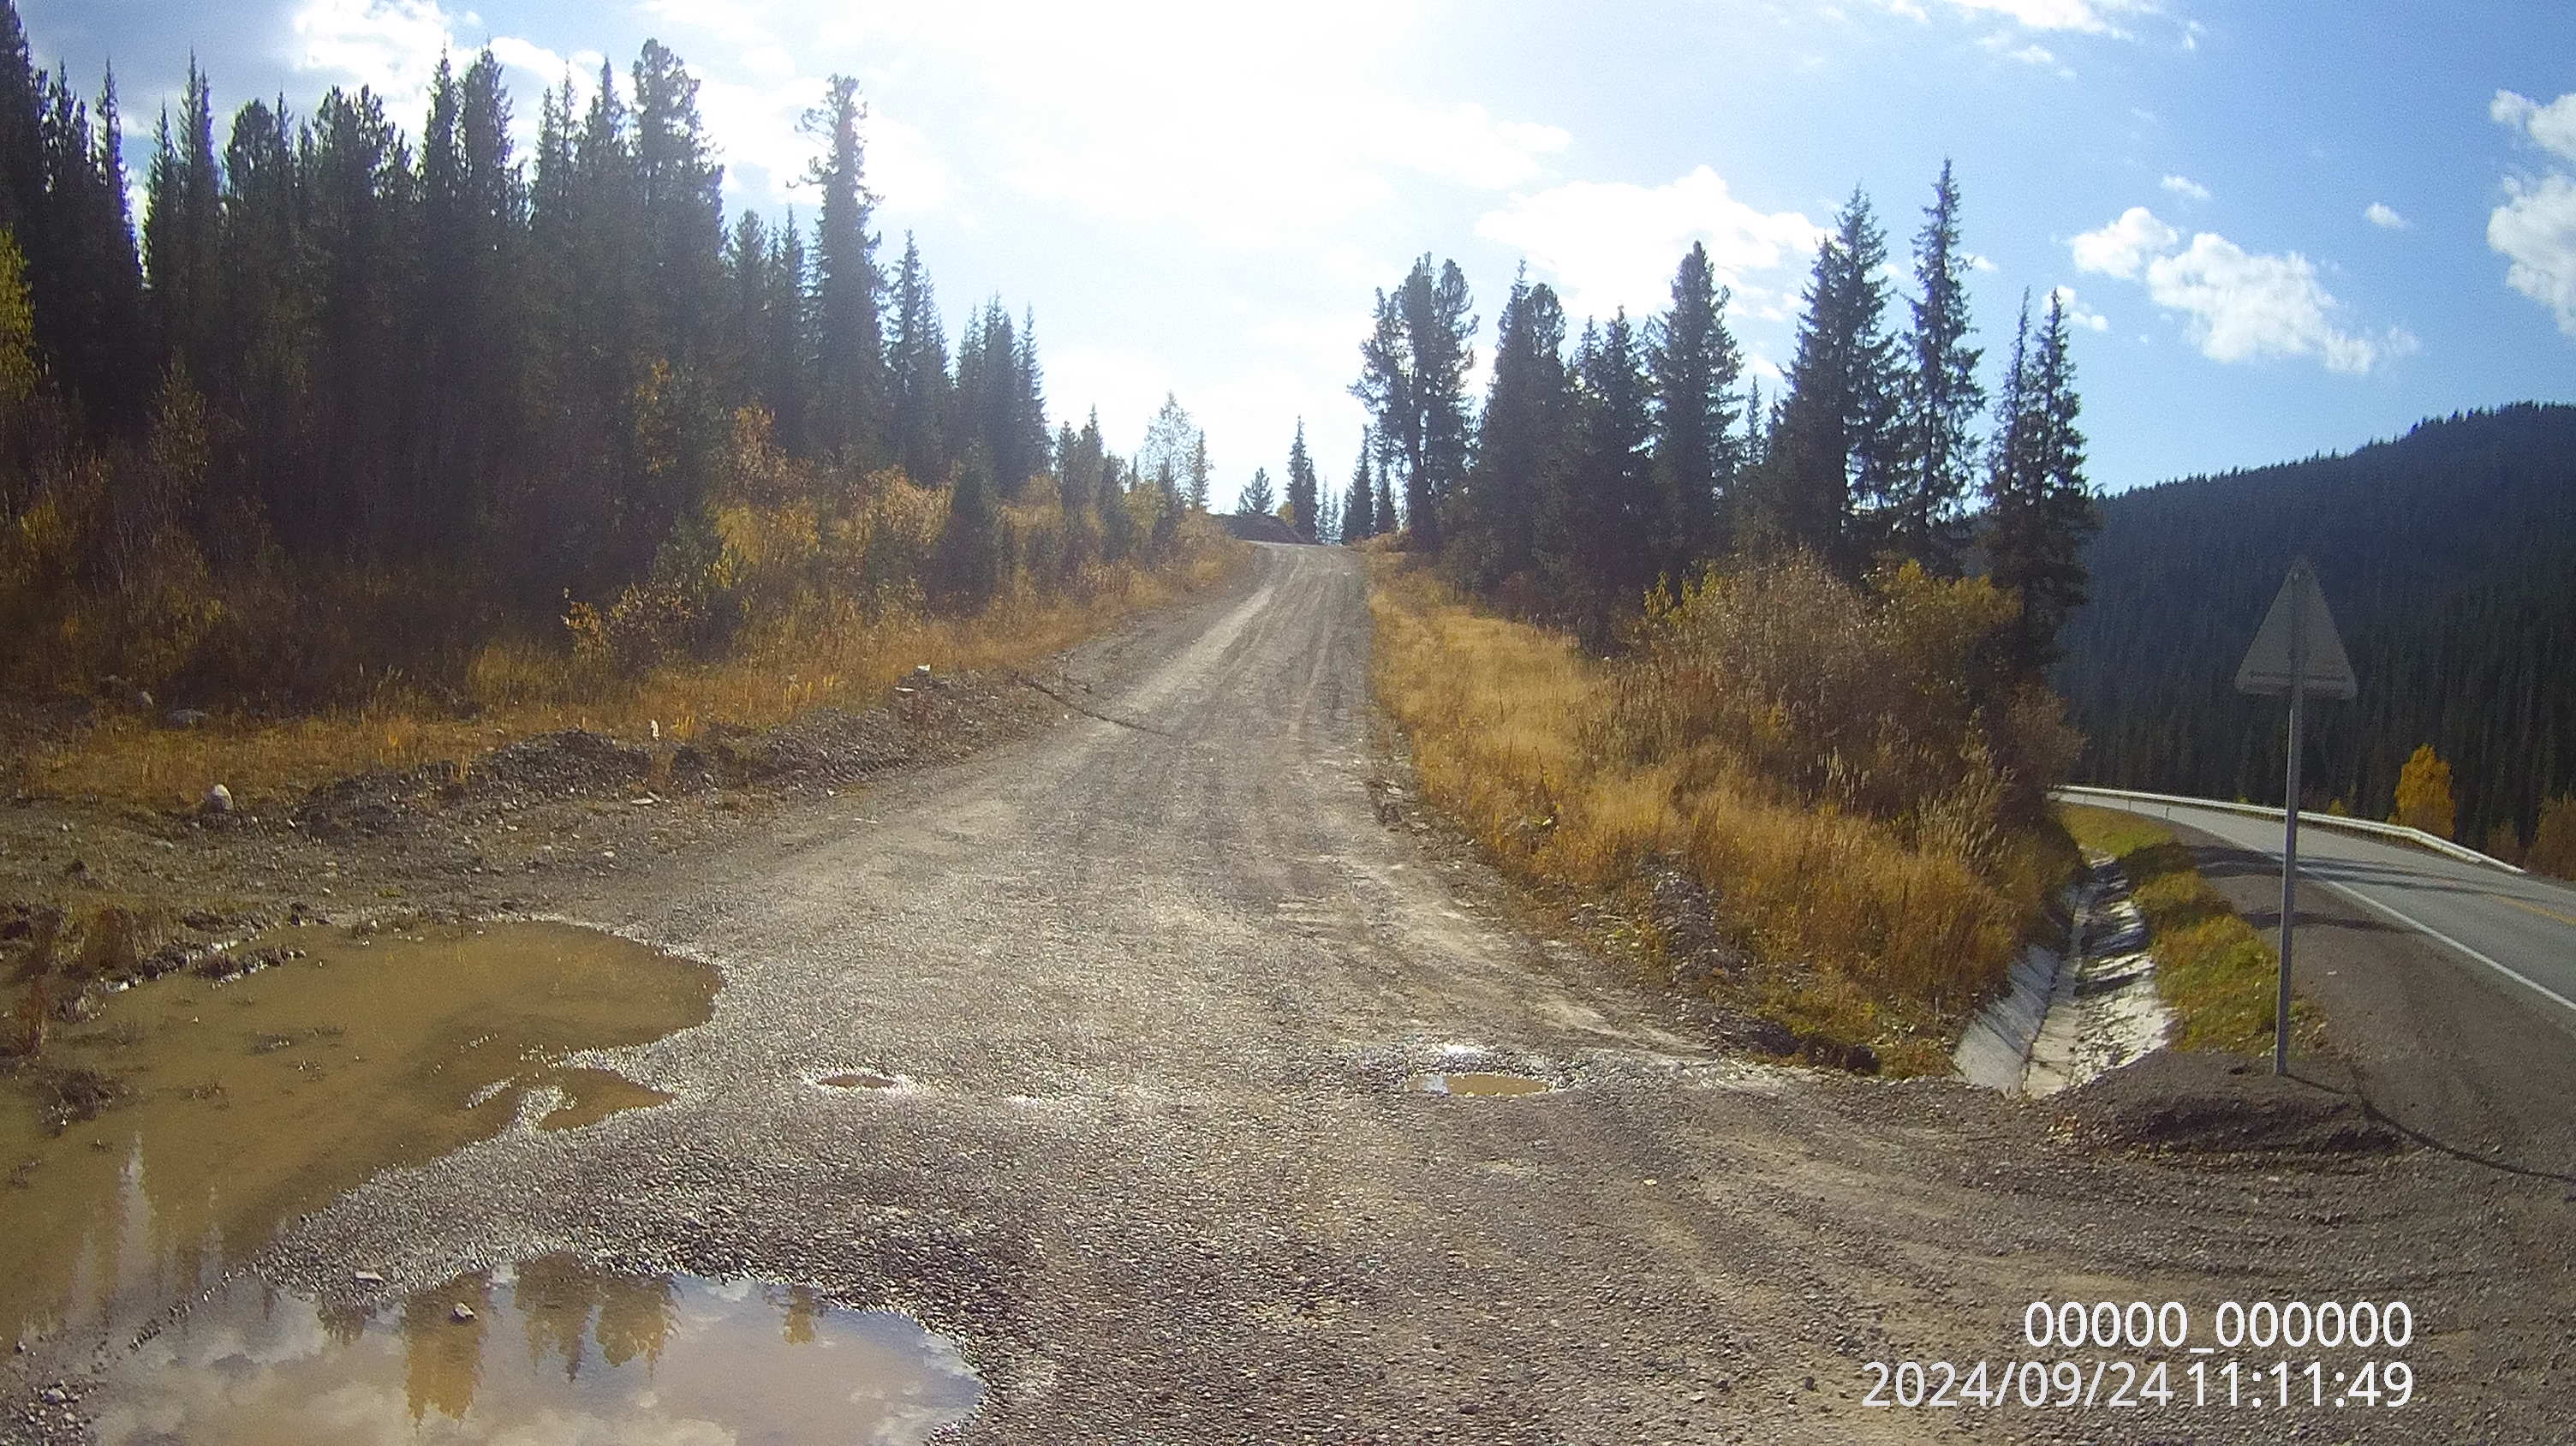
1156, 980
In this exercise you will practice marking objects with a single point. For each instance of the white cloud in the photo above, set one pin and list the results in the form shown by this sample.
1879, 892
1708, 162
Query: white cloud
2185, 187
389, 46
2552, 125
1609, 244
2384, 216
2535, 229
2083, 16
1979, 261
1284, 121
2239, 305
2120, 248
2077, 312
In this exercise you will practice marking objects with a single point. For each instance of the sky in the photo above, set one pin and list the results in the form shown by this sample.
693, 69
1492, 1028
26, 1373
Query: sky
2281, 228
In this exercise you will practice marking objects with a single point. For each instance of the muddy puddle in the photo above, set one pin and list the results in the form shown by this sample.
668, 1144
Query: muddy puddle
228, 1108
1478, 1082
546, 1351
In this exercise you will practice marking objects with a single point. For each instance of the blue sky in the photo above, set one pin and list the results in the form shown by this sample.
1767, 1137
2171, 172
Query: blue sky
2287, 228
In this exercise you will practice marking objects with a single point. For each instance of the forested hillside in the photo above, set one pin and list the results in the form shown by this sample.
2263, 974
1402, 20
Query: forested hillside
2449, 558
362, 397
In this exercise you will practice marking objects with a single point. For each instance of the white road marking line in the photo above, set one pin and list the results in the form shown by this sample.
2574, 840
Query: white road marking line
2508, 971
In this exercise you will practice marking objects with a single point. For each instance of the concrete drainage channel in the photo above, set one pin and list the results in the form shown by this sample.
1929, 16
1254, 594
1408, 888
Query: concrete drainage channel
2065, 1018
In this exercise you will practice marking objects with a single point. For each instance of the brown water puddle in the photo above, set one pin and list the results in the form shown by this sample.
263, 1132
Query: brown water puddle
244, 1104
546, 1351
1480, 1083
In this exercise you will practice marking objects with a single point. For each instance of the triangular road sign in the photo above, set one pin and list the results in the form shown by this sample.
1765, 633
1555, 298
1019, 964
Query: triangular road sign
2298, 624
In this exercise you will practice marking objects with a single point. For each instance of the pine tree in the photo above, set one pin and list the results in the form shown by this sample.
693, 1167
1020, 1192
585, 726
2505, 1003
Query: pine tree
850, 359
1199, 475
1302, 485
1257, 499
2039, 507
1832, 446
1938, 400
1694, 362
1413, 376
361, 223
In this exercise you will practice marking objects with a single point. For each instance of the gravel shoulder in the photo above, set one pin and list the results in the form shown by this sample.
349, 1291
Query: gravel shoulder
1156, 964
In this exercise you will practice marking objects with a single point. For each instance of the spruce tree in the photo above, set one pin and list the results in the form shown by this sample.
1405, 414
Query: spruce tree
1302, 485
1695, 365
22, 148
850, 355
182, 227
1257, 499
2039, 507
917, 371
1833, 443
680, 194
1600, 515
1359, 505
1199, 476
1938, 400
1528, 407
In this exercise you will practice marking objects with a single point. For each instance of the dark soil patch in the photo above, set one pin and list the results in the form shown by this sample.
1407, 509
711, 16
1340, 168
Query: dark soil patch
2210, 1104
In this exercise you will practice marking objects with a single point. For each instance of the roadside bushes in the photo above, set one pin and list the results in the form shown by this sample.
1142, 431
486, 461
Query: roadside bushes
1843, 769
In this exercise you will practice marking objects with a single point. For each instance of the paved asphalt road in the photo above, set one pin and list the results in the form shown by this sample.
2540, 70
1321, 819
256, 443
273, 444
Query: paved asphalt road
2516, 926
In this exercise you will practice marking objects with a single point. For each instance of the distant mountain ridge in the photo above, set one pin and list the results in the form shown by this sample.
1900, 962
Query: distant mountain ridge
2448, 556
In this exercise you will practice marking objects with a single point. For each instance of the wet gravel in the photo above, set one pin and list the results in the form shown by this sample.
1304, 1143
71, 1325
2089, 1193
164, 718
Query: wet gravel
1154, 980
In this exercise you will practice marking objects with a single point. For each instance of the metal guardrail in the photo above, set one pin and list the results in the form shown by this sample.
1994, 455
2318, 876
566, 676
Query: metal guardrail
2307, 819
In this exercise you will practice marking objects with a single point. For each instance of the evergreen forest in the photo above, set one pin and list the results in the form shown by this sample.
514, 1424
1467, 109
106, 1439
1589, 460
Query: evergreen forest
2448, 557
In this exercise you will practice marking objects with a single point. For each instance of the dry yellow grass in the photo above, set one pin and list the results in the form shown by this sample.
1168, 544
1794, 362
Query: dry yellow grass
521, 689
1860, 934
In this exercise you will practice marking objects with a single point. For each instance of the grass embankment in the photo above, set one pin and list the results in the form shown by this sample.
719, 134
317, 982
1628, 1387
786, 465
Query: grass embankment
1796, 746
513, 690
2217, 975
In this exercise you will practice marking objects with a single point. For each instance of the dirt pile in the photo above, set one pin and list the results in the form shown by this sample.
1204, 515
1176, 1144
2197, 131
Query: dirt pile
2216, 1105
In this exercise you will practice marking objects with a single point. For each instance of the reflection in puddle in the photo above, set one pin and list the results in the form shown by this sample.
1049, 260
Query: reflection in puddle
551, 1351
1476, 1083
251, 1101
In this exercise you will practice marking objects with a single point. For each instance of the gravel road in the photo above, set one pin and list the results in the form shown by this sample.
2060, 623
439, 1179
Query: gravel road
1155, 979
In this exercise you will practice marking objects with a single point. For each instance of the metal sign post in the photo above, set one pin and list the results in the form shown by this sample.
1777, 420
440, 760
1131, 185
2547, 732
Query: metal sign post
2296, 652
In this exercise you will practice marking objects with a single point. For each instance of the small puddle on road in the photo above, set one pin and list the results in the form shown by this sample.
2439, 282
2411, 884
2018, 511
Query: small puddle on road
548, 1351
865, 1079
246, 1103
1480, 1083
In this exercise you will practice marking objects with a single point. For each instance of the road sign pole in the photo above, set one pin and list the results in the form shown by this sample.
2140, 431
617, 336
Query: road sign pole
2297, 651
2290, 844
